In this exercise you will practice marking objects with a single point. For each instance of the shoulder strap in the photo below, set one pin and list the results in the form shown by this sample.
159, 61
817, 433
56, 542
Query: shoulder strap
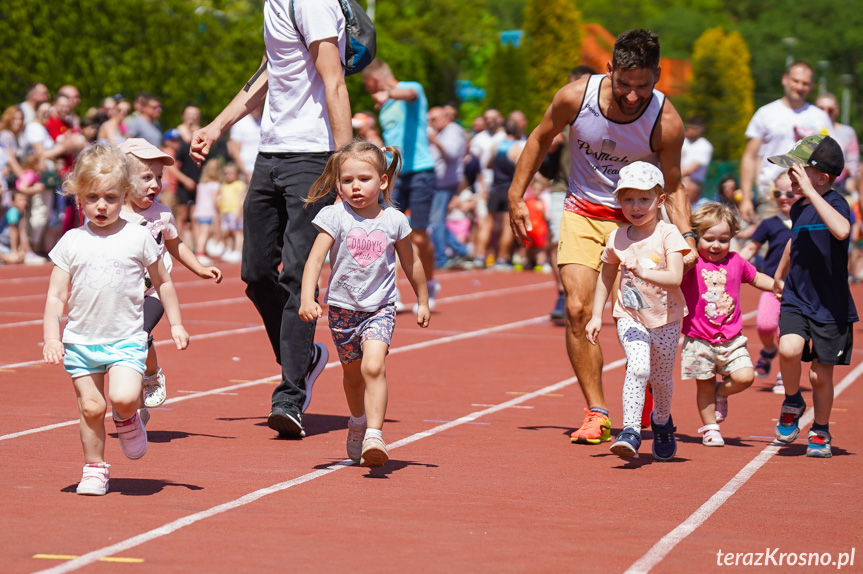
297, 28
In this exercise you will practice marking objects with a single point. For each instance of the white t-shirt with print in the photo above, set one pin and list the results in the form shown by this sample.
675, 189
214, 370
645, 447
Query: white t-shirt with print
779, 128
160, 222
295, 118
363, 256
106, 300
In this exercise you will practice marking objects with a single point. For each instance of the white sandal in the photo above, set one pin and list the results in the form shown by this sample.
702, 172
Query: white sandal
711, 435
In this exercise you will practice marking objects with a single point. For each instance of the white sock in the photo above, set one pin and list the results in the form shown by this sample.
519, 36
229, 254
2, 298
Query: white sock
377, 433
358, 422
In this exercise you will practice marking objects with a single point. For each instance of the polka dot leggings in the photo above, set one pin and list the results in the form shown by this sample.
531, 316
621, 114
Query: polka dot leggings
650, 355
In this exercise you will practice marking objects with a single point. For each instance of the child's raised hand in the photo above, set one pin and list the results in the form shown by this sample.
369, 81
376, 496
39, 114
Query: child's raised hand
423, 315
592, 329
211, 273
798, 174
53, 352
310, 311
180, 336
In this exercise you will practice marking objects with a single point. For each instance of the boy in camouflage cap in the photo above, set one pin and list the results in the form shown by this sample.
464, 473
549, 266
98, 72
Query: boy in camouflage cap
817, 311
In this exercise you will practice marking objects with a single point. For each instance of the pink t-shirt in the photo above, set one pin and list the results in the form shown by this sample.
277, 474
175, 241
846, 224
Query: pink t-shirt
712, 292
650, 305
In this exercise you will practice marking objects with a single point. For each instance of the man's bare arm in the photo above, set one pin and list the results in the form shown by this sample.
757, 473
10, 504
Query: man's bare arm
668, 141
246, 100
328, 63
561, 112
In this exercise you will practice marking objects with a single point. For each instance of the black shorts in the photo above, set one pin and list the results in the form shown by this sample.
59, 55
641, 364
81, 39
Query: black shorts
828, 343
498, 200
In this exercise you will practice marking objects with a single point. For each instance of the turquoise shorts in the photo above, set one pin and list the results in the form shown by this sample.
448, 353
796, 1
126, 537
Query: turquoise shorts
82, 360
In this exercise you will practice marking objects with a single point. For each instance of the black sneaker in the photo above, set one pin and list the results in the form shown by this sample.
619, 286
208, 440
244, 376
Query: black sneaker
319, 361
664, 443
559, 311
286, 421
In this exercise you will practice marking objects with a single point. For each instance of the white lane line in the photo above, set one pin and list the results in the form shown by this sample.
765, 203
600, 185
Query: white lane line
231, 332
331, 364
667, 543
169, 528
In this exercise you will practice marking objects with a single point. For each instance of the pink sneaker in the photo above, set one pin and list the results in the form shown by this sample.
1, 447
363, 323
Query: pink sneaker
132, 435
94, 481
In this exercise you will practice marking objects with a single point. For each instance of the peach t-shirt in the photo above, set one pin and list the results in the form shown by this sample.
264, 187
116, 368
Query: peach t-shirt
644, 302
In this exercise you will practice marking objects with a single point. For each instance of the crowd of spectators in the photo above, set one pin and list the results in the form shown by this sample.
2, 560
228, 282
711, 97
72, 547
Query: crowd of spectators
40, 138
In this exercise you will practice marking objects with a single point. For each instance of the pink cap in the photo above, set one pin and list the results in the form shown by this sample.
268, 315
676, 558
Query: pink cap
142, 149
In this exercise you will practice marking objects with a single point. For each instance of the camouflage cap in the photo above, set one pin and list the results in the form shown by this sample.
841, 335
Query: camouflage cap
819, 151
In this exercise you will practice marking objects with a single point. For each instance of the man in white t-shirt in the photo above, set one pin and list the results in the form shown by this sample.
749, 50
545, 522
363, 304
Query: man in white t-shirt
243, 145
697, 151
307, 115
777, 127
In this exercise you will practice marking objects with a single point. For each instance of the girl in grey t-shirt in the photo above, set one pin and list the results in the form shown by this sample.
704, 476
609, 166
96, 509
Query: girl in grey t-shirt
362, 236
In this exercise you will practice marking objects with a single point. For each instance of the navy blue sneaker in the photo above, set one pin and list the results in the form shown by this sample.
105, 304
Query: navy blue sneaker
559, 311
627, 444
788, 426
664, 443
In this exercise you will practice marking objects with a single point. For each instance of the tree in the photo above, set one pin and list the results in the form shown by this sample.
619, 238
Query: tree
175, 49
508, 86
722, 90
552, 30
426, 40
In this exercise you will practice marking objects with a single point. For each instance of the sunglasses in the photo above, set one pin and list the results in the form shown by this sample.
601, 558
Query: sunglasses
788, 194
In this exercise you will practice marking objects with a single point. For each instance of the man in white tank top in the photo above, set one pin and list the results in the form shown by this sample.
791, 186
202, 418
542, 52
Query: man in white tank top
615, 119
306, 115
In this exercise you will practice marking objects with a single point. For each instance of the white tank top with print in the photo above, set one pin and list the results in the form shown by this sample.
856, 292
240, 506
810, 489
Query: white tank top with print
600, 147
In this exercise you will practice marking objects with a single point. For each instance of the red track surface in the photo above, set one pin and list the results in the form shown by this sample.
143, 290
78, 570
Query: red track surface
500, 491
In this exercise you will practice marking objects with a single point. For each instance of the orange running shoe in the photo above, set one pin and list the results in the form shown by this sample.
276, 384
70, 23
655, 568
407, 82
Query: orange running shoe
648, 407
595, 429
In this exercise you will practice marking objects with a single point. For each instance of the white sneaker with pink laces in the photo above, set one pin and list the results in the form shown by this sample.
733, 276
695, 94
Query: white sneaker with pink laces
94, 481
132, 435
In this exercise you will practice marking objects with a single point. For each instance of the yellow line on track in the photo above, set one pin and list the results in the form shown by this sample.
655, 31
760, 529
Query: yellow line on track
105, 559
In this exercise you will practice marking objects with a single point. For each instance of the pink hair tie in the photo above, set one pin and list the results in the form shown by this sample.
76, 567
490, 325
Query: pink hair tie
384, 150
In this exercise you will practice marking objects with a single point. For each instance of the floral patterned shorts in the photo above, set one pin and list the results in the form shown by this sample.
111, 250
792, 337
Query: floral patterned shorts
353, 328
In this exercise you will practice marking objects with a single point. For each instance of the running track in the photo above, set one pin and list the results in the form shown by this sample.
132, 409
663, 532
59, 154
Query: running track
482, 476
